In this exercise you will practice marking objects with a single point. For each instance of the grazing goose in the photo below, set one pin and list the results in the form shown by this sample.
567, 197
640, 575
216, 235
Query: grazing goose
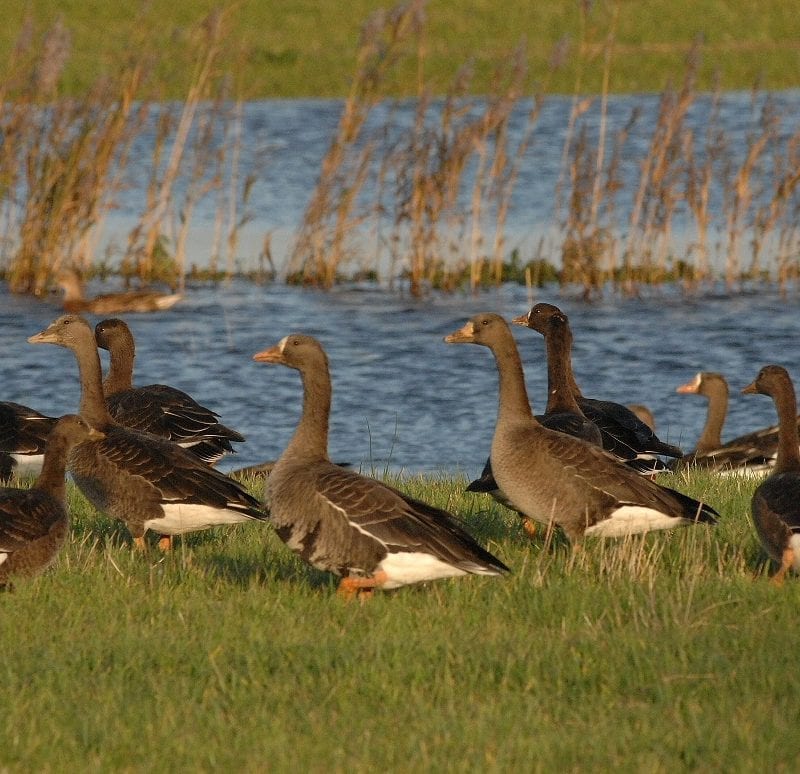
147, 482
143, 300
371, 534
624, 434
776, 501
562, 414
752, 453
23, 435
556, 479
157, 408
34, 522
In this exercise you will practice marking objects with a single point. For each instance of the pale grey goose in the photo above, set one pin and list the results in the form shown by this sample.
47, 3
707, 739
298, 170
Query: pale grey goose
142, 300
624, 434
371, 534
147, 482
753, 453
34, 522
23, 436
158, 408
776, 501
557, 479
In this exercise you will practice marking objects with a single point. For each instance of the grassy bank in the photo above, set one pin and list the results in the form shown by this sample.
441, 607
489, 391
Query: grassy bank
655, 654
277, 49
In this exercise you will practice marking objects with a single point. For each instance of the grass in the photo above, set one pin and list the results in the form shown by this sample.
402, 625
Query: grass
663, 653
309, 48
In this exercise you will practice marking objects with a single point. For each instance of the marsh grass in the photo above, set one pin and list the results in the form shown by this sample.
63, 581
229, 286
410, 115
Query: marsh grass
663, 653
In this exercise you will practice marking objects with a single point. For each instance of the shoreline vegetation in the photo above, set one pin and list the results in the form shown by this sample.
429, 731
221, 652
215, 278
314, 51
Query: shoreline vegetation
444, 184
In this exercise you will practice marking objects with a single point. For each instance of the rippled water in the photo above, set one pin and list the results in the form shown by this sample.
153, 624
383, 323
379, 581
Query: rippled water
402, 398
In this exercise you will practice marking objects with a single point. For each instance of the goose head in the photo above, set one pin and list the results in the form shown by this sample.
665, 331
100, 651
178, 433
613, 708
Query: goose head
486, 329
296, 350
771, 380
69, 330
542, 317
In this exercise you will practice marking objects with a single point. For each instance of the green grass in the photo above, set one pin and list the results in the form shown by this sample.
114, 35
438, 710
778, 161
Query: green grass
664, 653
305, 48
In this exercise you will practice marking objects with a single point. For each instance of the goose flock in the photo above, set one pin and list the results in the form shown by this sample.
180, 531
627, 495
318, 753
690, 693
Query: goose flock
145, 456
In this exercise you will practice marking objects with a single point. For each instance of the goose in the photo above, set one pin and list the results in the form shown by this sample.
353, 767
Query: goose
34, 522
157, 408
143, 300
149, 483
776, 501
562, 413
554, 478
369, 533
750, 454
23, 436
624, 434
644, 414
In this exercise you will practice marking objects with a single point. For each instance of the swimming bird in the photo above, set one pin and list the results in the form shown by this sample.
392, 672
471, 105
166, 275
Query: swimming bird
749, 454
554, 478
23, 436
624, 434
369, 533
149, 483
34, 522
158, 408
776, 501
143, 300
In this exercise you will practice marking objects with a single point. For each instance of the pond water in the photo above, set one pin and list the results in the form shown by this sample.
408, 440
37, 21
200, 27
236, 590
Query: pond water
403, 400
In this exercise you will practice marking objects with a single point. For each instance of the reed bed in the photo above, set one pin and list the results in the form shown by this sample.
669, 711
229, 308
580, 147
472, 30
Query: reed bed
413, 204
668, 652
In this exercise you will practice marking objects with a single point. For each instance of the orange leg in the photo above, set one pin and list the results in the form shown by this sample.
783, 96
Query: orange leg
139, 543
529, 525
165, 543
352, 587
787, 560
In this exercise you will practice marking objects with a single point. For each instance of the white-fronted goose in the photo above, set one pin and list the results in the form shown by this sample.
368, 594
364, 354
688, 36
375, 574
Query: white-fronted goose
143, 300
23, 436
554, 478
562, 413
624, 434
776, 501
34, 522
753, 453
157, 408
370, 534
147, 482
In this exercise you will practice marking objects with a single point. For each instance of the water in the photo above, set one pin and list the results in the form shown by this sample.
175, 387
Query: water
404, 400
284, 142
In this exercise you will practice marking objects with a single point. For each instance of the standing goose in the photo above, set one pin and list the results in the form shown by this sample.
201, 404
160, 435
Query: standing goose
752, 453
776, 501
624, 434
157, 408
23, 436
34, 522
371, 534
143, 300
147, 482
562, 413
556, 479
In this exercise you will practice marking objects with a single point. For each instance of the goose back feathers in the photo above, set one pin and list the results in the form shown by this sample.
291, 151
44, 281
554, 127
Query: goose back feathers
556, 479
34, 522
149, 483
158, 408
23, 437
371, 534
776, 501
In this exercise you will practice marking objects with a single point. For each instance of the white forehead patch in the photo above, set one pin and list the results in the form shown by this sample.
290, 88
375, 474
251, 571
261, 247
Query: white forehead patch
282, 343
